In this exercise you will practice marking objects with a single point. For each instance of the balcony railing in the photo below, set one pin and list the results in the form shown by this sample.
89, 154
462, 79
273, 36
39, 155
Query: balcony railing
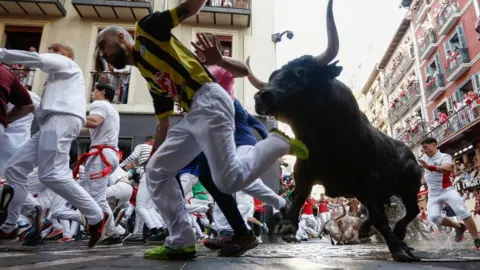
421, 10
414, 134
41, 8
399, 70
25, 76
447, 17
413, 93
392, 115
226, 13
113, 9
452, 68
462, 118
428, 43
387, 85
119, 81
431, 87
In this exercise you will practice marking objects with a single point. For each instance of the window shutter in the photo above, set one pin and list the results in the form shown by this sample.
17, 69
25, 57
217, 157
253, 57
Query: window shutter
476, 81
461, 36
450, 104
438, 64
435, 113
458, 96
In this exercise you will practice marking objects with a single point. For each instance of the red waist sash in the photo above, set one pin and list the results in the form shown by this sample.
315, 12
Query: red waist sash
99, 151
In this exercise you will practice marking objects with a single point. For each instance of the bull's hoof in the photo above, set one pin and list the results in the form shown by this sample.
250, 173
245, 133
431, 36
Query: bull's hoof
290, 239
285, 228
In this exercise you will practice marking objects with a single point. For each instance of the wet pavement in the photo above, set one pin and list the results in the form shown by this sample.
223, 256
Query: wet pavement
440, 252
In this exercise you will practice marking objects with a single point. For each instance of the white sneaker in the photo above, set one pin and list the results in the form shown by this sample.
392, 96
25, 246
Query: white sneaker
259, 239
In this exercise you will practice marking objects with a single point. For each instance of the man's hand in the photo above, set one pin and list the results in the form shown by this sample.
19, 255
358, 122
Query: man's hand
422, 164
209, 50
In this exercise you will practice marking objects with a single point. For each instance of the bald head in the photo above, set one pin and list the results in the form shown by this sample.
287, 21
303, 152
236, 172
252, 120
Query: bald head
62, 49
111, 33
115, 45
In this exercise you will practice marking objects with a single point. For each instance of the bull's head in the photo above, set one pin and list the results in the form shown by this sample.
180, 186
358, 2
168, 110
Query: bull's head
293, 84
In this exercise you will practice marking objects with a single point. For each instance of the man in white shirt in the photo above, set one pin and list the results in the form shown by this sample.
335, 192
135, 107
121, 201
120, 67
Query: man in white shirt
104, 156
438, 167
60, 115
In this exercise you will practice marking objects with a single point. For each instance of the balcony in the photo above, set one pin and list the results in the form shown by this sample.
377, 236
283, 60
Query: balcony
237, 15
371, 102
387, 86
422, 10
447, 17
428, 45
457, 64
435, 87
112, 9
456, 123
413, 93
392, 115
405, 62
44, 8
119, 81
416, 133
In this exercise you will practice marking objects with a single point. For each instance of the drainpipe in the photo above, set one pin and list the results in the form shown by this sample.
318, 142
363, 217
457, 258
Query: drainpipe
165, 5
419, 73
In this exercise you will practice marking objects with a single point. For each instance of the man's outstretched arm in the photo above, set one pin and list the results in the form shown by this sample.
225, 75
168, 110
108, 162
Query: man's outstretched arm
45, 61
189, 8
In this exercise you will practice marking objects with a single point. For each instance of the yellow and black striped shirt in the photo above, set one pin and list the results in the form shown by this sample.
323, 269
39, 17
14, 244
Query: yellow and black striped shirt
172, 71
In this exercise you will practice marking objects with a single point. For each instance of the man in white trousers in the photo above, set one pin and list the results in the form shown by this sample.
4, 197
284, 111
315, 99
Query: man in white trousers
102, 160
175, 74
61, 116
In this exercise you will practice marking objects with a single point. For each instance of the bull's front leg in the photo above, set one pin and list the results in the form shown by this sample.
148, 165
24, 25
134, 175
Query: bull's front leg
288, 226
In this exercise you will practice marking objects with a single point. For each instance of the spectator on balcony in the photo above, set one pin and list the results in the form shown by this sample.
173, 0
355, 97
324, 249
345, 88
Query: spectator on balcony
411, 80
443, 117
28, 80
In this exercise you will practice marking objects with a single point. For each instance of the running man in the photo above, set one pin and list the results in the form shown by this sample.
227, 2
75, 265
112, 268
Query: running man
438, 167
61, 116
174, 74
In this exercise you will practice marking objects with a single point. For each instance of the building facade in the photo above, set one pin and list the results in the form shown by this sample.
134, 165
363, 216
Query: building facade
239, 25
430, 78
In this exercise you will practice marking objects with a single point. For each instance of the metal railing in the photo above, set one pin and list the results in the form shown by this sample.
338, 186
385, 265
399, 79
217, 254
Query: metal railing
25, 76
241, 4
436, 82
413, 134
119, 81
413, 91
454, 61
457, 121
446, 11
429, 39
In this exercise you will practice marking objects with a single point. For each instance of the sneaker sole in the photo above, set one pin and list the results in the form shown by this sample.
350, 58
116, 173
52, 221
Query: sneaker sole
252, 245
212, 246
173, 257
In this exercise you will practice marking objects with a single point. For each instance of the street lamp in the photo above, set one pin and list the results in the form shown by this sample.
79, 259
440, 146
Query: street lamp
277, 37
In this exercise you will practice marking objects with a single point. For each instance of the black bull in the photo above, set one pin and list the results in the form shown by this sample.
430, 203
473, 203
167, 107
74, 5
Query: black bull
348, 156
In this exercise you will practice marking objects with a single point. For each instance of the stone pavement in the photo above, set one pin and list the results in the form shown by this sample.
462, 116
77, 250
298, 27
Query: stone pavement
438, 253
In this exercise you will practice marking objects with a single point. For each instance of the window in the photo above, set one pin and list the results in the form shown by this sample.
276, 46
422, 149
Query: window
434, 68
464, 89
119, 79
443, 108
224, 43
23, 38
476, 82
456, 42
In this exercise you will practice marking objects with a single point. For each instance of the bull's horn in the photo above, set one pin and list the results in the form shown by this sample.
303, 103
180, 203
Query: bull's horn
333, 44
256, 82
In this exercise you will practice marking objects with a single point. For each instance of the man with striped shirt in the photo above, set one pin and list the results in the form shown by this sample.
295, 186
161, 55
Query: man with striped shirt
174, 74
140, 154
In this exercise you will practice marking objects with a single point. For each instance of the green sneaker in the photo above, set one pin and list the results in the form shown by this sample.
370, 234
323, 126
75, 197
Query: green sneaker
298, 148
166, 253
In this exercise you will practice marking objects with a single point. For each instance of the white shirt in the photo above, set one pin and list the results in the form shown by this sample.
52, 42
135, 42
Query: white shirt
437, 181
107, 133
117, 174
19, 132
64, 89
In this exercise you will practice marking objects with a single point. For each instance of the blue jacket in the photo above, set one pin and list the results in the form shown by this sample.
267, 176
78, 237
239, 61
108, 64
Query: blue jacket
243, 124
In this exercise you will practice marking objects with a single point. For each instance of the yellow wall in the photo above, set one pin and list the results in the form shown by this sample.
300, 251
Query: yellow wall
80, 34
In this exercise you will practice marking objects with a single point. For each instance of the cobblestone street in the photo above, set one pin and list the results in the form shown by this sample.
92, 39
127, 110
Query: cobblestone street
438, 253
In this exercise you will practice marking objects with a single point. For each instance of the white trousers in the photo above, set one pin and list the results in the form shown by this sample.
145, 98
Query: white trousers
246, 207
49, 149
145, 208
7, 149
310, 221
207, 128
452, 198
97, 188
122, 191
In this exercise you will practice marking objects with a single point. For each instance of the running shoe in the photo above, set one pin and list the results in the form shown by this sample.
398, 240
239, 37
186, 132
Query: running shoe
459, 232
264, 228
112, 241
166, 253
8, 238
219, 242
97, 231
54, 235
476, 242
6, 195
239, 245
65, 240
158, 238
297, 148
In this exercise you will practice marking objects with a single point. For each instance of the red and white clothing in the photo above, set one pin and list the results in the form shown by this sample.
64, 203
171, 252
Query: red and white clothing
441, 191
